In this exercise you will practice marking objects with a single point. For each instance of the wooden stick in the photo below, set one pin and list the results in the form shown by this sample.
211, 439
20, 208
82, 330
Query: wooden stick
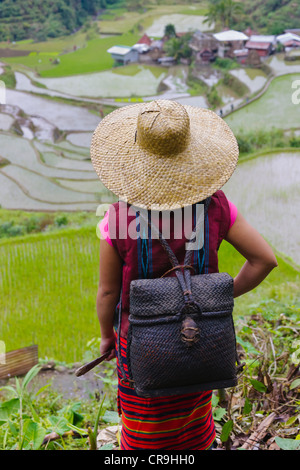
258, 435
90, 365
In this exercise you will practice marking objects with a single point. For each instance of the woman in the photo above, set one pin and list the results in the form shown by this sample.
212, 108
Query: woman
166, 157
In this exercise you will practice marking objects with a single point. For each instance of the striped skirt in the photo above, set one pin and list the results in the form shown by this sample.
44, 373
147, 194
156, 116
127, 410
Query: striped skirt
181, 422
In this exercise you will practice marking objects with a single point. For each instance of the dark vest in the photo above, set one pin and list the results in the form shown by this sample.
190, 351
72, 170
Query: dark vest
144, 257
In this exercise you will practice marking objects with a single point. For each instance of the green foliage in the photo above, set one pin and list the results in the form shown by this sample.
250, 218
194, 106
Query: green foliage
19, 223
236, 85
170, 31
196, 87
225, 63
179, 47
29, 417
213, 97
266, 339
287, 444
294, 142
23, 19
61, 220
41, 265
253, 141
8, 77
270, 17
224, 12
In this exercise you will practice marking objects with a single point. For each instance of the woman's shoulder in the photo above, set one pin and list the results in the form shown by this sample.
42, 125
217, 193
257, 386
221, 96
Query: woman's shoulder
225, 207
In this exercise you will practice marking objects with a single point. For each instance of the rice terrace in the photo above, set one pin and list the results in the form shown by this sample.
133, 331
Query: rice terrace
59, 80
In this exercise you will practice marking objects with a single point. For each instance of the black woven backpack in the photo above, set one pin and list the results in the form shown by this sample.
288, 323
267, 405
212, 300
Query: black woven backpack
181, 336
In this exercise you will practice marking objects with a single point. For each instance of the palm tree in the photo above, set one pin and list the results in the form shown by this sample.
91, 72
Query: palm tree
224, 12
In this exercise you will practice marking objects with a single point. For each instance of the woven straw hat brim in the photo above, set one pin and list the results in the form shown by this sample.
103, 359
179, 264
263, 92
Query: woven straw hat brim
160, 182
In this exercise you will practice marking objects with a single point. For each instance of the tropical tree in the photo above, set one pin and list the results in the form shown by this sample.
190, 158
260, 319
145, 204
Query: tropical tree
170, 31
179, 47
223, 12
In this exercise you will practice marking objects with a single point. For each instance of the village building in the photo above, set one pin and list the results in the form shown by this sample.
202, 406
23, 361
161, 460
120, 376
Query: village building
241, 55
141, 48
263, 45
145, 40
288, 40
229, 41
293, 31
124, 55
204, 47
205, 56
264, 49
143, 45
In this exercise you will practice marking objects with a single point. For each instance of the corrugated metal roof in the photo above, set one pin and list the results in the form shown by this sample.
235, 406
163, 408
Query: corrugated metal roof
257, 45
120, 50
283, 38
230, 35
262, 38
241, 52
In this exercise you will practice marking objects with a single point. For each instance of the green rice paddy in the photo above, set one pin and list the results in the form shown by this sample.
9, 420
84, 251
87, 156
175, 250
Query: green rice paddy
91, 57
49, 284
274, 109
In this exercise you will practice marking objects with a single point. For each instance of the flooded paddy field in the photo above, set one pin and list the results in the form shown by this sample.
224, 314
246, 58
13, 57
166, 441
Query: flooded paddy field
63, 116
254, 79
107, 84
45, 176
274, 109
182, 23
266, 191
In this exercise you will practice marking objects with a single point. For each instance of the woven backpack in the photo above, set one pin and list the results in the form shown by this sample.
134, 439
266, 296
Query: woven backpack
181, 336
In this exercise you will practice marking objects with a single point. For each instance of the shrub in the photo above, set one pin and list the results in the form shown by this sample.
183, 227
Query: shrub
255, 140
61, 220
8, 77
225, 63
8, 229
213, 97
295, 142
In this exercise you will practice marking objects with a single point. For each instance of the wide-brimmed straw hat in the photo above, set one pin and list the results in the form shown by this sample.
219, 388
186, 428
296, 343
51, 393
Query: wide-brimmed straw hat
163, 155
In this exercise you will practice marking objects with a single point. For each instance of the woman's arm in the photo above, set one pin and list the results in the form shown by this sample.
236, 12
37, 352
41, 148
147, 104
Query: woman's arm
110, 280
260, 259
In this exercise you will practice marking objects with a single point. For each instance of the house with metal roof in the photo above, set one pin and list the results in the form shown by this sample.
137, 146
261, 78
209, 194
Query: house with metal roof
289, 40
230, 40
230, 36
262, 44
124, 54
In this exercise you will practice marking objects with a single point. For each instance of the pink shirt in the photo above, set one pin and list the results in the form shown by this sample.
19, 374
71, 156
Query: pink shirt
103, 225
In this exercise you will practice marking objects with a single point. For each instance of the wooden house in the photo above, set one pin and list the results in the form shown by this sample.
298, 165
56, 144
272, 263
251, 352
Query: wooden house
263, 45
206, 56
229, 41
